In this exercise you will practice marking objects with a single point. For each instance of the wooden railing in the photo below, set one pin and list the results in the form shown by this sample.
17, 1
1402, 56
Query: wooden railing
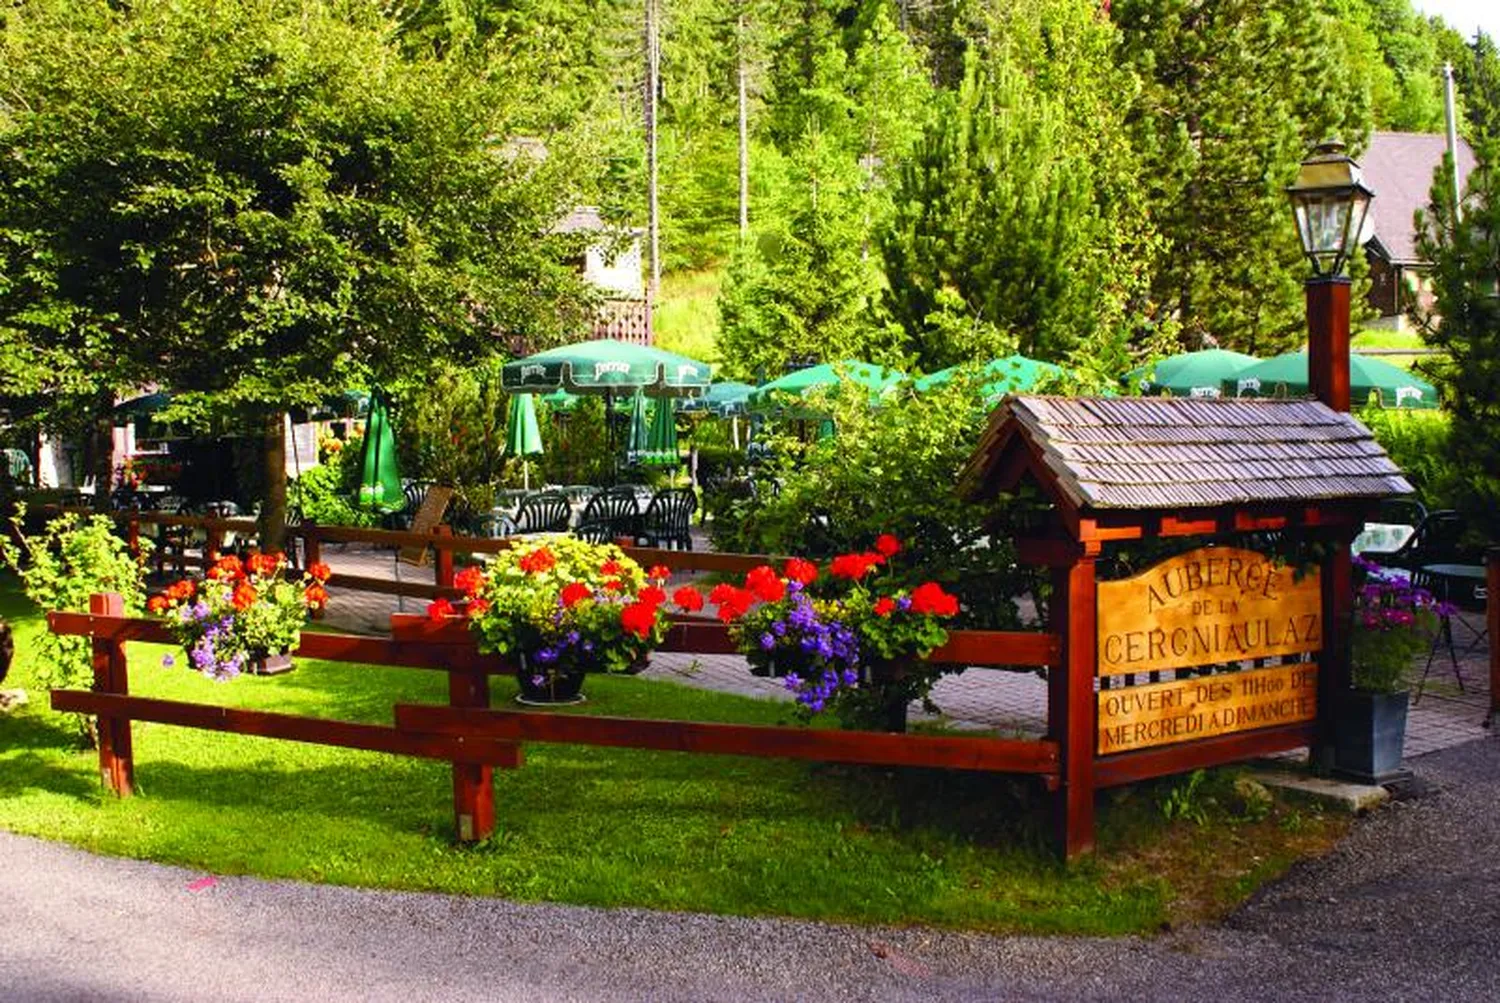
475, 738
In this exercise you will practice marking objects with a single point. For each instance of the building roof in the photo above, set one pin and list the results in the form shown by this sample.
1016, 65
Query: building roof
1399, 167
1147, 453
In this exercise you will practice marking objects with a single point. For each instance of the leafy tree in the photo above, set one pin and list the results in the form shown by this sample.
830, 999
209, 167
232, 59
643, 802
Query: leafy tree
1464, 321
262, 203
803, 291
996, 227
1225, 114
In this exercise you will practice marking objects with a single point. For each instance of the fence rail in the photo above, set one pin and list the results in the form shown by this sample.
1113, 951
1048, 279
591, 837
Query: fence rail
475, 739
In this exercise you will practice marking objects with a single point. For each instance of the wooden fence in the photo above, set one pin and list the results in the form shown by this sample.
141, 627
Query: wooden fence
476, 738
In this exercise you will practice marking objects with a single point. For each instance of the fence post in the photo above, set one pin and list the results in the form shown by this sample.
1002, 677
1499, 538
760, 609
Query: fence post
116, 762
473, 783
212, 534
443, 560
312, 545
1492, 620
1071, 704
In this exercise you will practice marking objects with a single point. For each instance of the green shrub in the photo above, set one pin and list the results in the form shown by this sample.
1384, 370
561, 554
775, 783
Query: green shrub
892, 469
70, 560
1421, 444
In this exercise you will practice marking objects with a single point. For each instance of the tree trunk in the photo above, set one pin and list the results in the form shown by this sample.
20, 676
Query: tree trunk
103, 449
273, 506
744, 135
653, 66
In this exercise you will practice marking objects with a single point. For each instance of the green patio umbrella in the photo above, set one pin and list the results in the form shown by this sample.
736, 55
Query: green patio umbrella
380, 479
661, 437
1011, 374
725, 399
607, 366
1191, 374
1286, 376
785, 394
522, 436
638, 441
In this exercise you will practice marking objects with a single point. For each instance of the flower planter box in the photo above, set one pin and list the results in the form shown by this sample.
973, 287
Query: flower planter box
271, 665
1370, 733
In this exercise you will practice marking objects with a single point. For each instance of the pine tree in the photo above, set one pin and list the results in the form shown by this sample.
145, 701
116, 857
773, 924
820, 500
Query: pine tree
1464, 321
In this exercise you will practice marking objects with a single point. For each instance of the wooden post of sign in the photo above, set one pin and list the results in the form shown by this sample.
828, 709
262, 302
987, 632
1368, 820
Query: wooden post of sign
116, 761
1333, 662
1492, 619
1071, 706
473, 783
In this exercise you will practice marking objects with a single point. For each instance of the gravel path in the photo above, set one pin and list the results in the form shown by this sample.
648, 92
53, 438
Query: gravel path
1407, 908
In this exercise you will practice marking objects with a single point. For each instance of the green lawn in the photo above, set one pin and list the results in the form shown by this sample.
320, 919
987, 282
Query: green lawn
613, 827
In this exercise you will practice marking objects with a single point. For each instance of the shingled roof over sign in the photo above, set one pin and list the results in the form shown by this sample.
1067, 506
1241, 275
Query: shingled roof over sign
1180, 452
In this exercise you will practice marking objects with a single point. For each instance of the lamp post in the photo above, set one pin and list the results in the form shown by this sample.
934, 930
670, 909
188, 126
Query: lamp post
1330, 201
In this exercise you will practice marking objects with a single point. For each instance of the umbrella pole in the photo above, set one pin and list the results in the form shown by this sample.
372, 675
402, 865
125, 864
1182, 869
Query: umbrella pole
526, 475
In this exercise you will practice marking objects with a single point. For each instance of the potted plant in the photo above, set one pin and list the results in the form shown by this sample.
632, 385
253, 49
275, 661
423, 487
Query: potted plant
1393, 623
242, 616
849, 641
560, 608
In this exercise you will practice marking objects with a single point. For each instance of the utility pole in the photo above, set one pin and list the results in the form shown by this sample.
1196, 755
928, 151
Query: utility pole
744, 135
653, 222
1450, 115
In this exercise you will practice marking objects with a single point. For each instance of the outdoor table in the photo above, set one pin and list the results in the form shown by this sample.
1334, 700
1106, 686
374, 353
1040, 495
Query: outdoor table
1447, 581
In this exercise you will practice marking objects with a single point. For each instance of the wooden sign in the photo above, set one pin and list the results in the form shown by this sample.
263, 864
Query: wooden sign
434, 505
1205, 607
1138, 717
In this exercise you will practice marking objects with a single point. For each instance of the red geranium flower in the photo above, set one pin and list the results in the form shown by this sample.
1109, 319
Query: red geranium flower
315, 596
478, 607
688, 598
228, 568
887, 545
574, 593
851, 566
651, 596
610, 567
243, 597
156, 603
470, 579
929, 597
884, 605
764, 584
614, 585
660, 572
438, 609
734, 603
320, 571
799, 570
538, 562
638, 618
263, 564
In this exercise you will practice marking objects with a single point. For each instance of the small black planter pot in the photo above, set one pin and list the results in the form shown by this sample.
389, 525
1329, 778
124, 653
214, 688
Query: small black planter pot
555, 687
1369, 734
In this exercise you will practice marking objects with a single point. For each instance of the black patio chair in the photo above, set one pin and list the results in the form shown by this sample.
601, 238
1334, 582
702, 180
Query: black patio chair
667, 519
1441, 538
610, 513
543, 512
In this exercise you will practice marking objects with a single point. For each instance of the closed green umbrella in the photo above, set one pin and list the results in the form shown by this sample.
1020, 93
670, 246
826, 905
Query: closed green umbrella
380, 478
1011, 374
661, 437
785, 394
637, 443
1192, 374
1286, 376
522, 436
